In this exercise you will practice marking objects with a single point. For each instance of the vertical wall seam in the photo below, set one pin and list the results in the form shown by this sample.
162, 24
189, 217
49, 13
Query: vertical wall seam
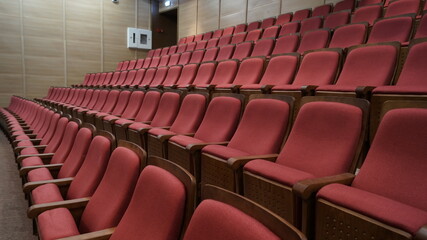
280, 6
135, 54
197, 16
247, 9
102, 35
64, 32
219, 15
24, 77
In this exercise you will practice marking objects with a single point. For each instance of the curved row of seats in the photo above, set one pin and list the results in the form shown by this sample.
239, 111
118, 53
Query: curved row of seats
93, 189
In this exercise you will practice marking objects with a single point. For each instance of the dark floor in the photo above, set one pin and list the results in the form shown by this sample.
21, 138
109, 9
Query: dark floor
14, 223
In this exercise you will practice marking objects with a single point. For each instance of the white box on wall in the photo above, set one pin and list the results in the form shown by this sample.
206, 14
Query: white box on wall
139, 38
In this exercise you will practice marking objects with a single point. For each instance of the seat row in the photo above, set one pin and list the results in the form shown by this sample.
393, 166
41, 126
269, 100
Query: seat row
72, 198
333, 129
368, 11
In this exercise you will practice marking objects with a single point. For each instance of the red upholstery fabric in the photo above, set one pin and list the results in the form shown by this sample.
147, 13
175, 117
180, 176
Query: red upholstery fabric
288, 28
148, 77
172, 76
301, 14
31, 161
275, 73
66, 143
224, 40
160, 215
372, 65
164, 51
286, 44
283, 18
368, 2
212, 219
164, 60
268, 22
322, 10
402, 7
254, 35
154, 62
349, 35
311, 72
111, 198
271, 32
185, 58
336, 19
240, 28
138, 77
201, 45
46, 193
250, 71
228, 31
210, 54
391, 29
191, 46
310, 24
159, 77
263, 47
242, 50
212, 43
225, 52
238, 38
218, 33
148, 107
344, 5
314, 40
39, 174
261, 130
253, 25
185, 140
367, 14
90, 173
188, 74
277, 172
386, 210
322, 126
197, 56
422, 28
225, 72
56, 223
190, 114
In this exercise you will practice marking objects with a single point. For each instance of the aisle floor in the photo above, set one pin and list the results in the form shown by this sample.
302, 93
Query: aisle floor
14, 223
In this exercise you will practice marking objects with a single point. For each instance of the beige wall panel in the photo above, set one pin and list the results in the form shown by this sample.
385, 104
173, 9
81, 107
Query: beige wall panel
11, 83
77, 69
332, 1
10, 8
52, 9
38, 86
44, 66
10, 26
263, 11
83, 11
113, 54
5, 98
187, 18
144, 14
115, 35
83, 31
294, 5
43, 47
10, 44
258, 3
11, 63
77, 50
42, 27
233, 13
208, 15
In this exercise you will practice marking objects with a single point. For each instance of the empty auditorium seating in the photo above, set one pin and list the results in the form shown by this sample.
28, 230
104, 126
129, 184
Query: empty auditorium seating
263, 47
323, 126
391, 29
283, 18
240, 28
367, 14
259, 134
344, 5
253, 35
301, 15
314, 40
422, 28
253, 25
204, 75
369, 2
309, 24
349, 35
242, 50
228, 31
224, 74
224, 40
286, 44
401, 7
322, 10
122, 102
288, 28
210, 54
187, 76
366, 202
271, 32
268, 22
336, 19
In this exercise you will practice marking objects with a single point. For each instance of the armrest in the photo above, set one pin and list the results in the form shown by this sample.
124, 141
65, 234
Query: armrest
41, 155
308, 90
235, 88
30, 186
33, 140
364, 92
266, 88
190, 87
37, 209
174, 86
197, 146
97, 235
210, 87
306, 188
24, 170
165, 137
38, 147
421, 234
237, 162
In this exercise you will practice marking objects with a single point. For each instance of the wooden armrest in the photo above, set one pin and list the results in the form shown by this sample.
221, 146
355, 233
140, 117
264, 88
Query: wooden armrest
266, 88
237, 162
308, 90
421, 234
210, 87
24, 170
97, 235
190, 87
306, 188
235, 88
174, 86
197, 146
30, 186
165, 137
36, 141
125, 125
38, 147
41, 155
37, 209
364, 92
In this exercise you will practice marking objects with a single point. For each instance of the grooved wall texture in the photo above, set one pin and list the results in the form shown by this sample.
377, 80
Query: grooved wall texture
55, 42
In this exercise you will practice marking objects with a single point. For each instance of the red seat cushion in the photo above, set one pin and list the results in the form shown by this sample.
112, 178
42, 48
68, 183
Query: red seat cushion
277, 172
23, 137
29, 151
224, 152
160, 131
111, 117
56, 223
46, 193
386, 210
39, 174
123, 121
417, 90
31, 161
184, 140
139, 125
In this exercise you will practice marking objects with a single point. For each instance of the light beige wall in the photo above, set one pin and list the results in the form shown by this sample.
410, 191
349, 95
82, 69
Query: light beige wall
55, 42
198, 16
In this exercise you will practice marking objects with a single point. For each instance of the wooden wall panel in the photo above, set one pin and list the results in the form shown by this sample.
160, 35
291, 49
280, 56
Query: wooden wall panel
232, 13
260, 9
208, 13
187, 18
294, 5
